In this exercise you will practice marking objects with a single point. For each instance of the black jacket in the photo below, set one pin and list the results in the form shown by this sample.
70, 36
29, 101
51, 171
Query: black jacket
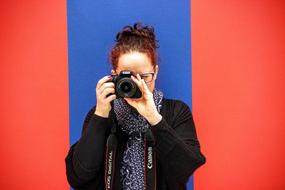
177, 150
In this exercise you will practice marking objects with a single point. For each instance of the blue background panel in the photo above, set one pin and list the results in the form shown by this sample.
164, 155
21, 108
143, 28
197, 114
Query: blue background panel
92, 27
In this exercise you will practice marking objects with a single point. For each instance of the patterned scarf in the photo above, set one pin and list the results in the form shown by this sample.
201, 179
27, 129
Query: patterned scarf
132, 170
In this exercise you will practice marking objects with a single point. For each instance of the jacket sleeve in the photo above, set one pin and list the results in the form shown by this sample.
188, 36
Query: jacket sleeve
177, 146
85, 158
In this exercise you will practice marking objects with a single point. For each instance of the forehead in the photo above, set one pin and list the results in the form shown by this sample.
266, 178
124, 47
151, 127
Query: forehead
135, 61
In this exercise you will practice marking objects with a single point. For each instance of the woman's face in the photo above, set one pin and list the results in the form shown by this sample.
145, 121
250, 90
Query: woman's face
138, 63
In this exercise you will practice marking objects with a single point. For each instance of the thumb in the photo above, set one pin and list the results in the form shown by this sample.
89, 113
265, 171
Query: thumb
130, 101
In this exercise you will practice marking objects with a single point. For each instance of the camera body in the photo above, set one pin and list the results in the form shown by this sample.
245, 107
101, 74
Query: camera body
125, 87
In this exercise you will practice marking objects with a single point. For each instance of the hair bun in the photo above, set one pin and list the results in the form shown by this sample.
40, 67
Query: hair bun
138, 30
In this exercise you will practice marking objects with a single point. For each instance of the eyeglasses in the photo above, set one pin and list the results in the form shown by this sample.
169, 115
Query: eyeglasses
147, 77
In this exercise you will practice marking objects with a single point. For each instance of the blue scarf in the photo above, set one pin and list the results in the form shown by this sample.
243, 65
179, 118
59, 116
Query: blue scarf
134, 124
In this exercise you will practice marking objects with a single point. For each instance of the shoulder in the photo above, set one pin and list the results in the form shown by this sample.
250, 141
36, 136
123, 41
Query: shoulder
90, 113
174, 109
88, 116
174, 104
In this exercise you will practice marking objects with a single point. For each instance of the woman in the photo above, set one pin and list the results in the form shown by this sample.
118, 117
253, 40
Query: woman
135, 143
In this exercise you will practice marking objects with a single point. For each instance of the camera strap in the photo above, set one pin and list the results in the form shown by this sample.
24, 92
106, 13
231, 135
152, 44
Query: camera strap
149, 157
150, 161
111, 150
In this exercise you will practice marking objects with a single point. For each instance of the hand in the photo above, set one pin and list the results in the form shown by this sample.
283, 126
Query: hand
145, 105
103, 88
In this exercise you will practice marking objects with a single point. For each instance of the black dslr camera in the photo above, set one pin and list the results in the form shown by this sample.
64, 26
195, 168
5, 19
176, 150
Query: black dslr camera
125, 87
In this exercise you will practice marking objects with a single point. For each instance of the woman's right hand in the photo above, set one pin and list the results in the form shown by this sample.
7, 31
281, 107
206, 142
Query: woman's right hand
103, 88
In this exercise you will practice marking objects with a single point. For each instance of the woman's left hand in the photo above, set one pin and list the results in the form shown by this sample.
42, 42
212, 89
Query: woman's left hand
145, 105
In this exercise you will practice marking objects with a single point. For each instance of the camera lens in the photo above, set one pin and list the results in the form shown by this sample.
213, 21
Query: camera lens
126, 88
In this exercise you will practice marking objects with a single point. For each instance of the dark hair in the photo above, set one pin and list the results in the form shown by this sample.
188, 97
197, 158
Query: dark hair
137, 38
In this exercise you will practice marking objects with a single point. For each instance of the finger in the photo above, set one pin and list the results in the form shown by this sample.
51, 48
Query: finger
139, 77
102, 81
130, 101
145, 86
135, 79
106, 92
111, 98
138, 83
104, 86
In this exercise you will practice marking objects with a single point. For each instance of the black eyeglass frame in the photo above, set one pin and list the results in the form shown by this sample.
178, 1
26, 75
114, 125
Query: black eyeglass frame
144, 74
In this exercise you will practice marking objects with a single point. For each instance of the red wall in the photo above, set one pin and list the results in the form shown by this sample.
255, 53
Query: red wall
238, 89
238, 93
34, 95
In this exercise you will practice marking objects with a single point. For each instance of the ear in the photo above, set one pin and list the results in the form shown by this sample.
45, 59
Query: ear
113, 72
156, 69
155, 72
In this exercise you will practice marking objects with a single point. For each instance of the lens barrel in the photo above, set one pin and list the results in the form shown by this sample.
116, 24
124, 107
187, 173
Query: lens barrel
126, 88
